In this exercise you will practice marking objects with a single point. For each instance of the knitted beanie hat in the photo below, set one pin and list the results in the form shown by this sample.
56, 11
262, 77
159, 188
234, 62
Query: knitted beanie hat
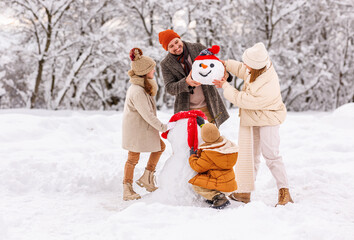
210, 133
165, 37
209, 53
256, 57
141, 65
192, 125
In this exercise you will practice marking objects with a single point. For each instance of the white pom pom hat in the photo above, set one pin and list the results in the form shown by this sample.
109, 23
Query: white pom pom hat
256, 57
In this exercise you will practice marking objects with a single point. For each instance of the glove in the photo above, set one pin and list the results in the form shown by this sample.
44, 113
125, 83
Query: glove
171, 125
192, 151
229, 77
200, 121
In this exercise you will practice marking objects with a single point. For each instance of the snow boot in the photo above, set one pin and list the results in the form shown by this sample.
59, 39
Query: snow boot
284, 197
128, 192
241, 197
147, 181
220, 201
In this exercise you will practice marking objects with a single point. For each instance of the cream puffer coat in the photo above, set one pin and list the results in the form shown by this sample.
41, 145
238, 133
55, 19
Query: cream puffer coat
141, 126
260, 102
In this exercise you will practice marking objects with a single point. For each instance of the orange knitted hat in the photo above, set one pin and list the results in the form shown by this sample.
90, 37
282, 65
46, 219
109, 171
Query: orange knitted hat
165, 37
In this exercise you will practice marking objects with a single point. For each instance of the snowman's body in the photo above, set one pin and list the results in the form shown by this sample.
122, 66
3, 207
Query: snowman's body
205, 71
173, 179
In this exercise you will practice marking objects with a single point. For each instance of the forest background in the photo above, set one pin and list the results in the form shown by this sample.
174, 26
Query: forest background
74, 54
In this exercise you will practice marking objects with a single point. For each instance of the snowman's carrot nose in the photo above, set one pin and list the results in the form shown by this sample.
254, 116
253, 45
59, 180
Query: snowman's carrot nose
204, 66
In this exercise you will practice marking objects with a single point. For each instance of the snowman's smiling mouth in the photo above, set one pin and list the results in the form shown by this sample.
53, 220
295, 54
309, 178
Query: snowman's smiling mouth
205, 75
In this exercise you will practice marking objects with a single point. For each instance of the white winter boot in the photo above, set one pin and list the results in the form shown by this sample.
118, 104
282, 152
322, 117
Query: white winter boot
147, 181
128, 192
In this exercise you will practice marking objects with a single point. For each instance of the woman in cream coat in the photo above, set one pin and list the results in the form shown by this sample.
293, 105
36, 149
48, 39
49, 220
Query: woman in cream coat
261, 108
141, 126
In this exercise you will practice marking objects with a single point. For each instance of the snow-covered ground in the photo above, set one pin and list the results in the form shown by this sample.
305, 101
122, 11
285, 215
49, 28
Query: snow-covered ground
61, 175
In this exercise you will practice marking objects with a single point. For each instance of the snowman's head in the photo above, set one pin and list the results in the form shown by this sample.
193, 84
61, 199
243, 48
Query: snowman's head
207, 66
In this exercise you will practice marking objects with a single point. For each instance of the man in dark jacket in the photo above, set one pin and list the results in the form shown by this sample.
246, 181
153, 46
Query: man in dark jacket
176, 70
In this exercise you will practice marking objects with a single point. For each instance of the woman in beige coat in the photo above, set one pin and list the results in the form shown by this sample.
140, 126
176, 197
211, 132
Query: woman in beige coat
141, 126
261, 108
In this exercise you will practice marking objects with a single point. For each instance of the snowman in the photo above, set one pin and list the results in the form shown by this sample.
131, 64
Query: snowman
174, 188
207, 67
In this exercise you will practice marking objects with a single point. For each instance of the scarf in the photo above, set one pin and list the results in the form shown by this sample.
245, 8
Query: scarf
192, 128
183, 60
244, 168
187, 67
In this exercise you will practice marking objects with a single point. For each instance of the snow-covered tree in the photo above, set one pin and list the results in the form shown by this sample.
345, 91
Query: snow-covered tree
42, 20
66, 54
303, 42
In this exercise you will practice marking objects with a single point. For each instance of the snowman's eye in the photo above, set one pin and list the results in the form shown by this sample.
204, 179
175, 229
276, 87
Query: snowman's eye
212, 65
200, 65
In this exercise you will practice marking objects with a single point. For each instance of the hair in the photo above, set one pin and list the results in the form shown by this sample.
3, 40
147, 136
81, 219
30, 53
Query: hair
147, 85
255, 73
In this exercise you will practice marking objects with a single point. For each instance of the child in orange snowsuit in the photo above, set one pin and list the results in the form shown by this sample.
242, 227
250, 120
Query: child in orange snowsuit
214, 163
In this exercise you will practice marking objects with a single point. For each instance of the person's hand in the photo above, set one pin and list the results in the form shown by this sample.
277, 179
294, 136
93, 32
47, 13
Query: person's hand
171, 125
191, 82
226, 74
192, 151
200, 121
219, 83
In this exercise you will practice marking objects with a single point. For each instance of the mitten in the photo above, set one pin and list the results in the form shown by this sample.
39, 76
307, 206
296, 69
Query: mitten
229, 78
200, 121
192, 151
199, 152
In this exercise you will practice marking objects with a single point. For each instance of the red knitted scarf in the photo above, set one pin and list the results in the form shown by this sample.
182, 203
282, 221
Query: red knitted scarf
191, 128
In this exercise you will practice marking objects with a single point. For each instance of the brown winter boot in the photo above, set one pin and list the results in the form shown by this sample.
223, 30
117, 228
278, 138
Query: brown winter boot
128, 192
284, 197
220, 201
241, 197
147, 181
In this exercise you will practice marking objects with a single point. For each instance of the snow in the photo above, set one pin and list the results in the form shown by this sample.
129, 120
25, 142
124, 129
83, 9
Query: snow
61, 178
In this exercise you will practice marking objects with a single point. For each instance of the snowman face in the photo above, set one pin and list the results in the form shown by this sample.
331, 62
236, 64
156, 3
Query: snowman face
205, 71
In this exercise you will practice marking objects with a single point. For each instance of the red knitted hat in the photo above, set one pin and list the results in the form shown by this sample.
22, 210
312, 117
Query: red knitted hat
209, 53
165, 37
192, 125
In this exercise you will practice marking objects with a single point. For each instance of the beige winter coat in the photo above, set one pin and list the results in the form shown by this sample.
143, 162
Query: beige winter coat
141, 127
260, 102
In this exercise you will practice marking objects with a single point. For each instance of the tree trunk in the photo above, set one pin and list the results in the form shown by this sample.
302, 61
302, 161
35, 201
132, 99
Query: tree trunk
42, 61
38, 81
